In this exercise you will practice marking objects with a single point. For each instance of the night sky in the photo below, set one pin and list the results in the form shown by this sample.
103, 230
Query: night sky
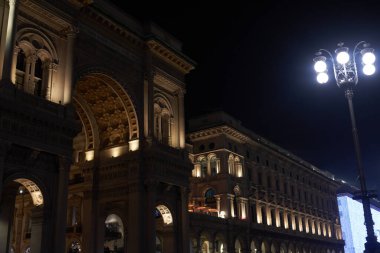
256, 62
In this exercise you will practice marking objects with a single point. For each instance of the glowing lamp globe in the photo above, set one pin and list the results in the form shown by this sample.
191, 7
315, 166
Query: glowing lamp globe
320, 66
322, 78
369, 69
369, 58
343, 57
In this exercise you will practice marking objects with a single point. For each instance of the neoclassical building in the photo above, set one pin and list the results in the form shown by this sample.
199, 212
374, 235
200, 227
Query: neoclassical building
92, 138
250, 195
93, 155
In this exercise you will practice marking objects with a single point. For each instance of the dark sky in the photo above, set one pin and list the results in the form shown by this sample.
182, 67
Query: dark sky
256, 62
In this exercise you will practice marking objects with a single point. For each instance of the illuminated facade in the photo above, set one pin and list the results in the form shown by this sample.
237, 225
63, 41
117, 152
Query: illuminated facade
352, 220
93, 155
92, 139
249, 195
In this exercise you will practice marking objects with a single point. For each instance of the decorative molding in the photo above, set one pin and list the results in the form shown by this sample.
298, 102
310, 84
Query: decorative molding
114, 27
169, 83
169, 56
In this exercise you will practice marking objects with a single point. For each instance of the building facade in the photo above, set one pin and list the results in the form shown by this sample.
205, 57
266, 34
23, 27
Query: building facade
91, 131
249, 195
93, 155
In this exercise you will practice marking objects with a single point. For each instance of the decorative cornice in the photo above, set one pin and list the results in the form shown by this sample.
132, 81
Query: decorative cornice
169, 56
114, 27
256, 139
38, 12
168, 82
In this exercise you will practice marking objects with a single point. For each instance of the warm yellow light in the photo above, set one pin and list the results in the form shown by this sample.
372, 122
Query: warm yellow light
222, 214
116, 151
133, 145
89, 155
33, 189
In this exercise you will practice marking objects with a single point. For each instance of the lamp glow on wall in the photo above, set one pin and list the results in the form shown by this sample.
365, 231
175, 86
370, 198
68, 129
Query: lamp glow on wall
344, 64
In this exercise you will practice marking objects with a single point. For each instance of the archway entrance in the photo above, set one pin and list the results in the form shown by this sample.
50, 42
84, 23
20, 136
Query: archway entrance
21, 217
113, 234
165, 240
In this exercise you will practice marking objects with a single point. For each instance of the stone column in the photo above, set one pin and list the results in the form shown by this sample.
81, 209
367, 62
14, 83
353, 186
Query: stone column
48, 80
31, 83
27, 73
14, 62
181, 119
7, 206
37, 223
170, 131
159, 125
184, 221
148, 97
87, 224
71, 35
10, 40
230, 205
150, 222
61, 206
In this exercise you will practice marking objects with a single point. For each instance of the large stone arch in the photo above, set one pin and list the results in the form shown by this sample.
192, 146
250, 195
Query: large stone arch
106, 110
25, 192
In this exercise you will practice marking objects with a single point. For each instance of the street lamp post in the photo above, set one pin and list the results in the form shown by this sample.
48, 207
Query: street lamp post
346, 77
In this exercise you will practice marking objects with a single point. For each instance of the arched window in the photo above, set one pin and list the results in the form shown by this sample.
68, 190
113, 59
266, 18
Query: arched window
163, 120
253, 247
113, 234
231, 167
203, 163
34, 63
213, 166
237, 246
238, 167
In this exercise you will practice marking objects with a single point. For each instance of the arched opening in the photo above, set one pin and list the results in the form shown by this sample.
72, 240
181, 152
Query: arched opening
113, 234
283, 248
213, 165
35, 63
205, 243
231, 167
109, 120
253, 247
163, 120
238, 248
220, 244
291, 248
205, 247
264, 248
203, 164
75, 247
273, 248
165, 237
22, 220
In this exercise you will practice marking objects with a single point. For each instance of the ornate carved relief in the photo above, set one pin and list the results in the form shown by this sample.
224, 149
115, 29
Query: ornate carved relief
111, 108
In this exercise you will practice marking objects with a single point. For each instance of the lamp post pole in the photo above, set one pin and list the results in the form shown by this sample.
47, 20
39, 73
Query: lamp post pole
346, 76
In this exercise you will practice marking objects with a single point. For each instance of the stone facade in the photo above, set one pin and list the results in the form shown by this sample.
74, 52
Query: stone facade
249, 195
93, 155
91, 130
